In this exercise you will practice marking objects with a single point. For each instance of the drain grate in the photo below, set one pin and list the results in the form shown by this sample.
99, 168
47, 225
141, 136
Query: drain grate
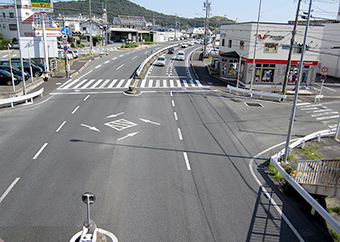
253, 105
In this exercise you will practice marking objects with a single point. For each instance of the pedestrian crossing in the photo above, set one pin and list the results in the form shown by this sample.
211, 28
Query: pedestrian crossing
321, 113
125, 83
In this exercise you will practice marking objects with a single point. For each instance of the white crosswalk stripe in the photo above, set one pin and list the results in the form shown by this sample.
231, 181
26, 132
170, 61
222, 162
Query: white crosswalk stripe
125, 83
321, 113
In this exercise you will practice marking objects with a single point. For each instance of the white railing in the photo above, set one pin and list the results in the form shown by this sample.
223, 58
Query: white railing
141, 66
274, 160
261, 94
26, 97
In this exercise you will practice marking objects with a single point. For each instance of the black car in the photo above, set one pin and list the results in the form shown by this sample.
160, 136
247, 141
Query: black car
6, 78
171, 50
32, 62
15, 71
37, 71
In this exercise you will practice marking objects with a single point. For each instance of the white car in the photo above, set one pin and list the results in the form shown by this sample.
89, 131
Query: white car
181, 55
160, 61
184, 45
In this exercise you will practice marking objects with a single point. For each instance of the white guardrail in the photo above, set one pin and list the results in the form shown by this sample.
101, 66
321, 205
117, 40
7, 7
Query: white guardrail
26, 97
141, 66
274, 160
268, 94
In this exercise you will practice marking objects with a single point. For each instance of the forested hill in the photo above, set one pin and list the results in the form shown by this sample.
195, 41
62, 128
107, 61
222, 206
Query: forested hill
125, 7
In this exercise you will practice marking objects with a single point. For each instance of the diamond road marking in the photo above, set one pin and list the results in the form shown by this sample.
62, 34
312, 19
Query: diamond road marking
120, 124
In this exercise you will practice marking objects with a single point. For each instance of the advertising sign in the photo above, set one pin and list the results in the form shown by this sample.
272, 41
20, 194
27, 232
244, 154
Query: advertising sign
42, 5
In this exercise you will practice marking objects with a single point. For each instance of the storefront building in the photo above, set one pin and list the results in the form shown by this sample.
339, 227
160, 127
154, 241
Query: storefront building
237, 52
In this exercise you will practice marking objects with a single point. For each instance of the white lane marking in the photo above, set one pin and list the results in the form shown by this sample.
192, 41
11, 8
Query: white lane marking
149, 121
175, 114
79, 84
328, 117
178, 83
268, 194
90, 127
128, 83
120, 67
179, 134
171, 94
106, 62
98, 66
58, 129
39, 152
97, 83
86, 98
114, 58
104, 83
88, 84
150, 83
9, 189
67, 83
75, 110
143, 83
198, 83
129, 135
158, 83
120, 83
326, 113
135, 57
115, 115
187, 161
121, 55
112, 83
173, 103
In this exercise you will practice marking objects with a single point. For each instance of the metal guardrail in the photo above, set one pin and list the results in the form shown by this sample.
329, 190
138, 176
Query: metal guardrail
141, 66
274, 160
261, 94
30, 96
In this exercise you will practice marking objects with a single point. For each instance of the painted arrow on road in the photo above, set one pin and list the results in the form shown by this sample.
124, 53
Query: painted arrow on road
90, 127
149, 121
129, 135
115, 115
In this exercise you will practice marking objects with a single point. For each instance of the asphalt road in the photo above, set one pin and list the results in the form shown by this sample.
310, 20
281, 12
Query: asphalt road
168, 164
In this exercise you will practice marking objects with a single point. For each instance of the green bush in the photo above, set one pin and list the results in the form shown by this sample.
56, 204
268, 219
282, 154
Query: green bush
4, 43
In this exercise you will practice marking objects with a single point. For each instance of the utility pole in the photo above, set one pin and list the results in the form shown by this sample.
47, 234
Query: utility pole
287, 149
254, 56
90, 18
46, 67
176, 27
292, 40
206, 24
20, 49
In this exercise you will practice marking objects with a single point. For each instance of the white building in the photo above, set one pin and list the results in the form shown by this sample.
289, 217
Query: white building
238, 39
30, 22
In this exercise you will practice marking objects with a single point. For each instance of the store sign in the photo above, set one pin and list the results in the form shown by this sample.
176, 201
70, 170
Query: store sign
42, 5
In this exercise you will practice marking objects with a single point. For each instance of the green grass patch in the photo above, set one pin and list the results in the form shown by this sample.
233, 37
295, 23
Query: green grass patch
274, 173
310, 152
334, 235
335, 210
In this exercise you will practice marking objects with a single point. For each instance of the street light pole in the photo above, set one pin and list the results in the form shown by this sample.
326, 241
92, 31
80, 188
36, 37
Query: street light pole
90, 18
287, 149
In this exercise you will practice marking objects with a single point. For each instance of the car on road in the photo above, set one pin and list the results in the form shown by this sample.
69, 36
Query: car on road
171, 50
37, 71
181, 55
6, 78
160, 61
184, 45
15, 71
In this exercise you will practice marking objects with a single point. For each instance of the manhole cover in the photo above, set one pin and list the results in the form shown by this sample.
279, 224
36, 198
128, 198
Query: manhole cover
120, 124
254, 105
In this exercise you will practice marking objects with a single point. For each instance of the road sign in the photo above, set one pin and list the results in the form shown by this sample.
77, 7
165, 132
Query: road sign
65, 41
323, 77
324, 69
65, 48
64, 31
42, 5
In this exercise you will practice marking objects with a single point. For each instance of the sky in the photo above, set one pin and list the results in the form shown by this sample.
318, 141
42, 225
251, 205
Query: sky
243, 10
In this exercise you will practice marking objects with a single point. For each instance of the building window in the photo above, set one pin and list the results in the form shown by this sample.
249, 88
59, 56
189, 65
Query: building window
264, 72
223, 40
241, 45
4, 15
11, 15
230, 43
12, 27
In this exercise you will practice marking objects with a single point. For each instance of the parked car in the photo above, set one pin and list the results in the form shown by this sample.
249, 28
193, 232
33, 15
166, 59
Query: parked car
15, 71
181, 55
160, 61
32, 62
37, 71
6, 78
73, 53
